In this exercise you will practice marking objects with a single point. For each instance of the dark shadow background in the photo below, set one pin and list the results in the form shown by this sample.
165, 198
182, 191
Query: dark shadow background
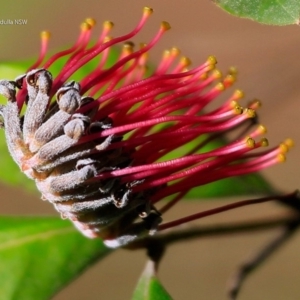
267, 58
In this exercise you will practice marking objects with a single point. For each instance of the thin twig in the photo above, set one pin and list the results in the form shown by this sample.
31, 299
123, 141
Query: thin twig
255, 261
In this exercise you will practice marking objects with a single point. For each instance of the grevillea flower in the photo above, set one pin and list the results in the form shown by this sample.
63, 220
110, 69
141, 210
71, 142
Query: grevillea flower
97, 147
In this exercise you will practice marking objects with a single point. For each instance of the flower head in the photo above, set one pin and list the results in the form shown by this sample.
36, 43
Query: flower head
97, 147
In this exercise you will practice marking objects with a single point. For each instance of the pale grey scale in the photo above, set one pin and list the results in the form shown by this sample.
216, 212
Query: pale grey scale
74, 153
34, 117
74, 84
103, 226
106, 143
85, 206
124, 200
110, 217
103, 222
75, 195
73, 130
77, 126
52, 110
94, 211
2, 109
65, 184
13, 132
7, 89
85, 162
69, 101
100, 222
49, 130
88, 219
71, 84
107, 186
96, 218
32, 90
37, 108
72, 179
54, 148
10, 115
105, 209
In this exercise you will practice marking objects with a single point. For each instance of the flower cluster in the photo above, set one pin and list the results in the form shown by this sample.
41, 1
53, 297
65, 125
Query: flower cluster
99, 148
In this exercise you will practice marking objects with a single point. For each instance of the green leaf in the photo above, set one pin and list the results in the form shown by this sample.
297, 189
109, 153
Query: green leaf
12, 70
279, 12
40, 255
149, 287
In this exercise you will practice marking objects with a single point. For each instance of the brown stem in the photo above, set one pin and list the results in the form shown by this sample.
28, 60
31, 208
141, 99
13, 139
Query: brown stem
175, 236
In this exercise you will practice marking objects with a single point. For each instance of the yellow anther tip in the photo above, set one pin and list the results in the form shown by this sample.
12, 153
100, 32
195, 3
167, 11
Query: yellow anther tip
145, 55
185, 61
90, 21
204, 76
45, 35
262, 129
289, 143
233, 71
250, 112
283, 148
165, 25
175, 51
220, 86
212, 60
127, 49
148, 10
107, 39
250, 142
85, 26
108, 24
142, 45
264, 142
238, 94
233, 104
238, 110
256, 103
166, 53
128, 44
217, 74
229, 79
281, 157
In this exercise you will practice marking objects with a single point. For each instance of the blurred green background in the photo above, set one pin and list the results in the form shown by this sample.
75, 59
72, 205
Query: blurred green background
267, 58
